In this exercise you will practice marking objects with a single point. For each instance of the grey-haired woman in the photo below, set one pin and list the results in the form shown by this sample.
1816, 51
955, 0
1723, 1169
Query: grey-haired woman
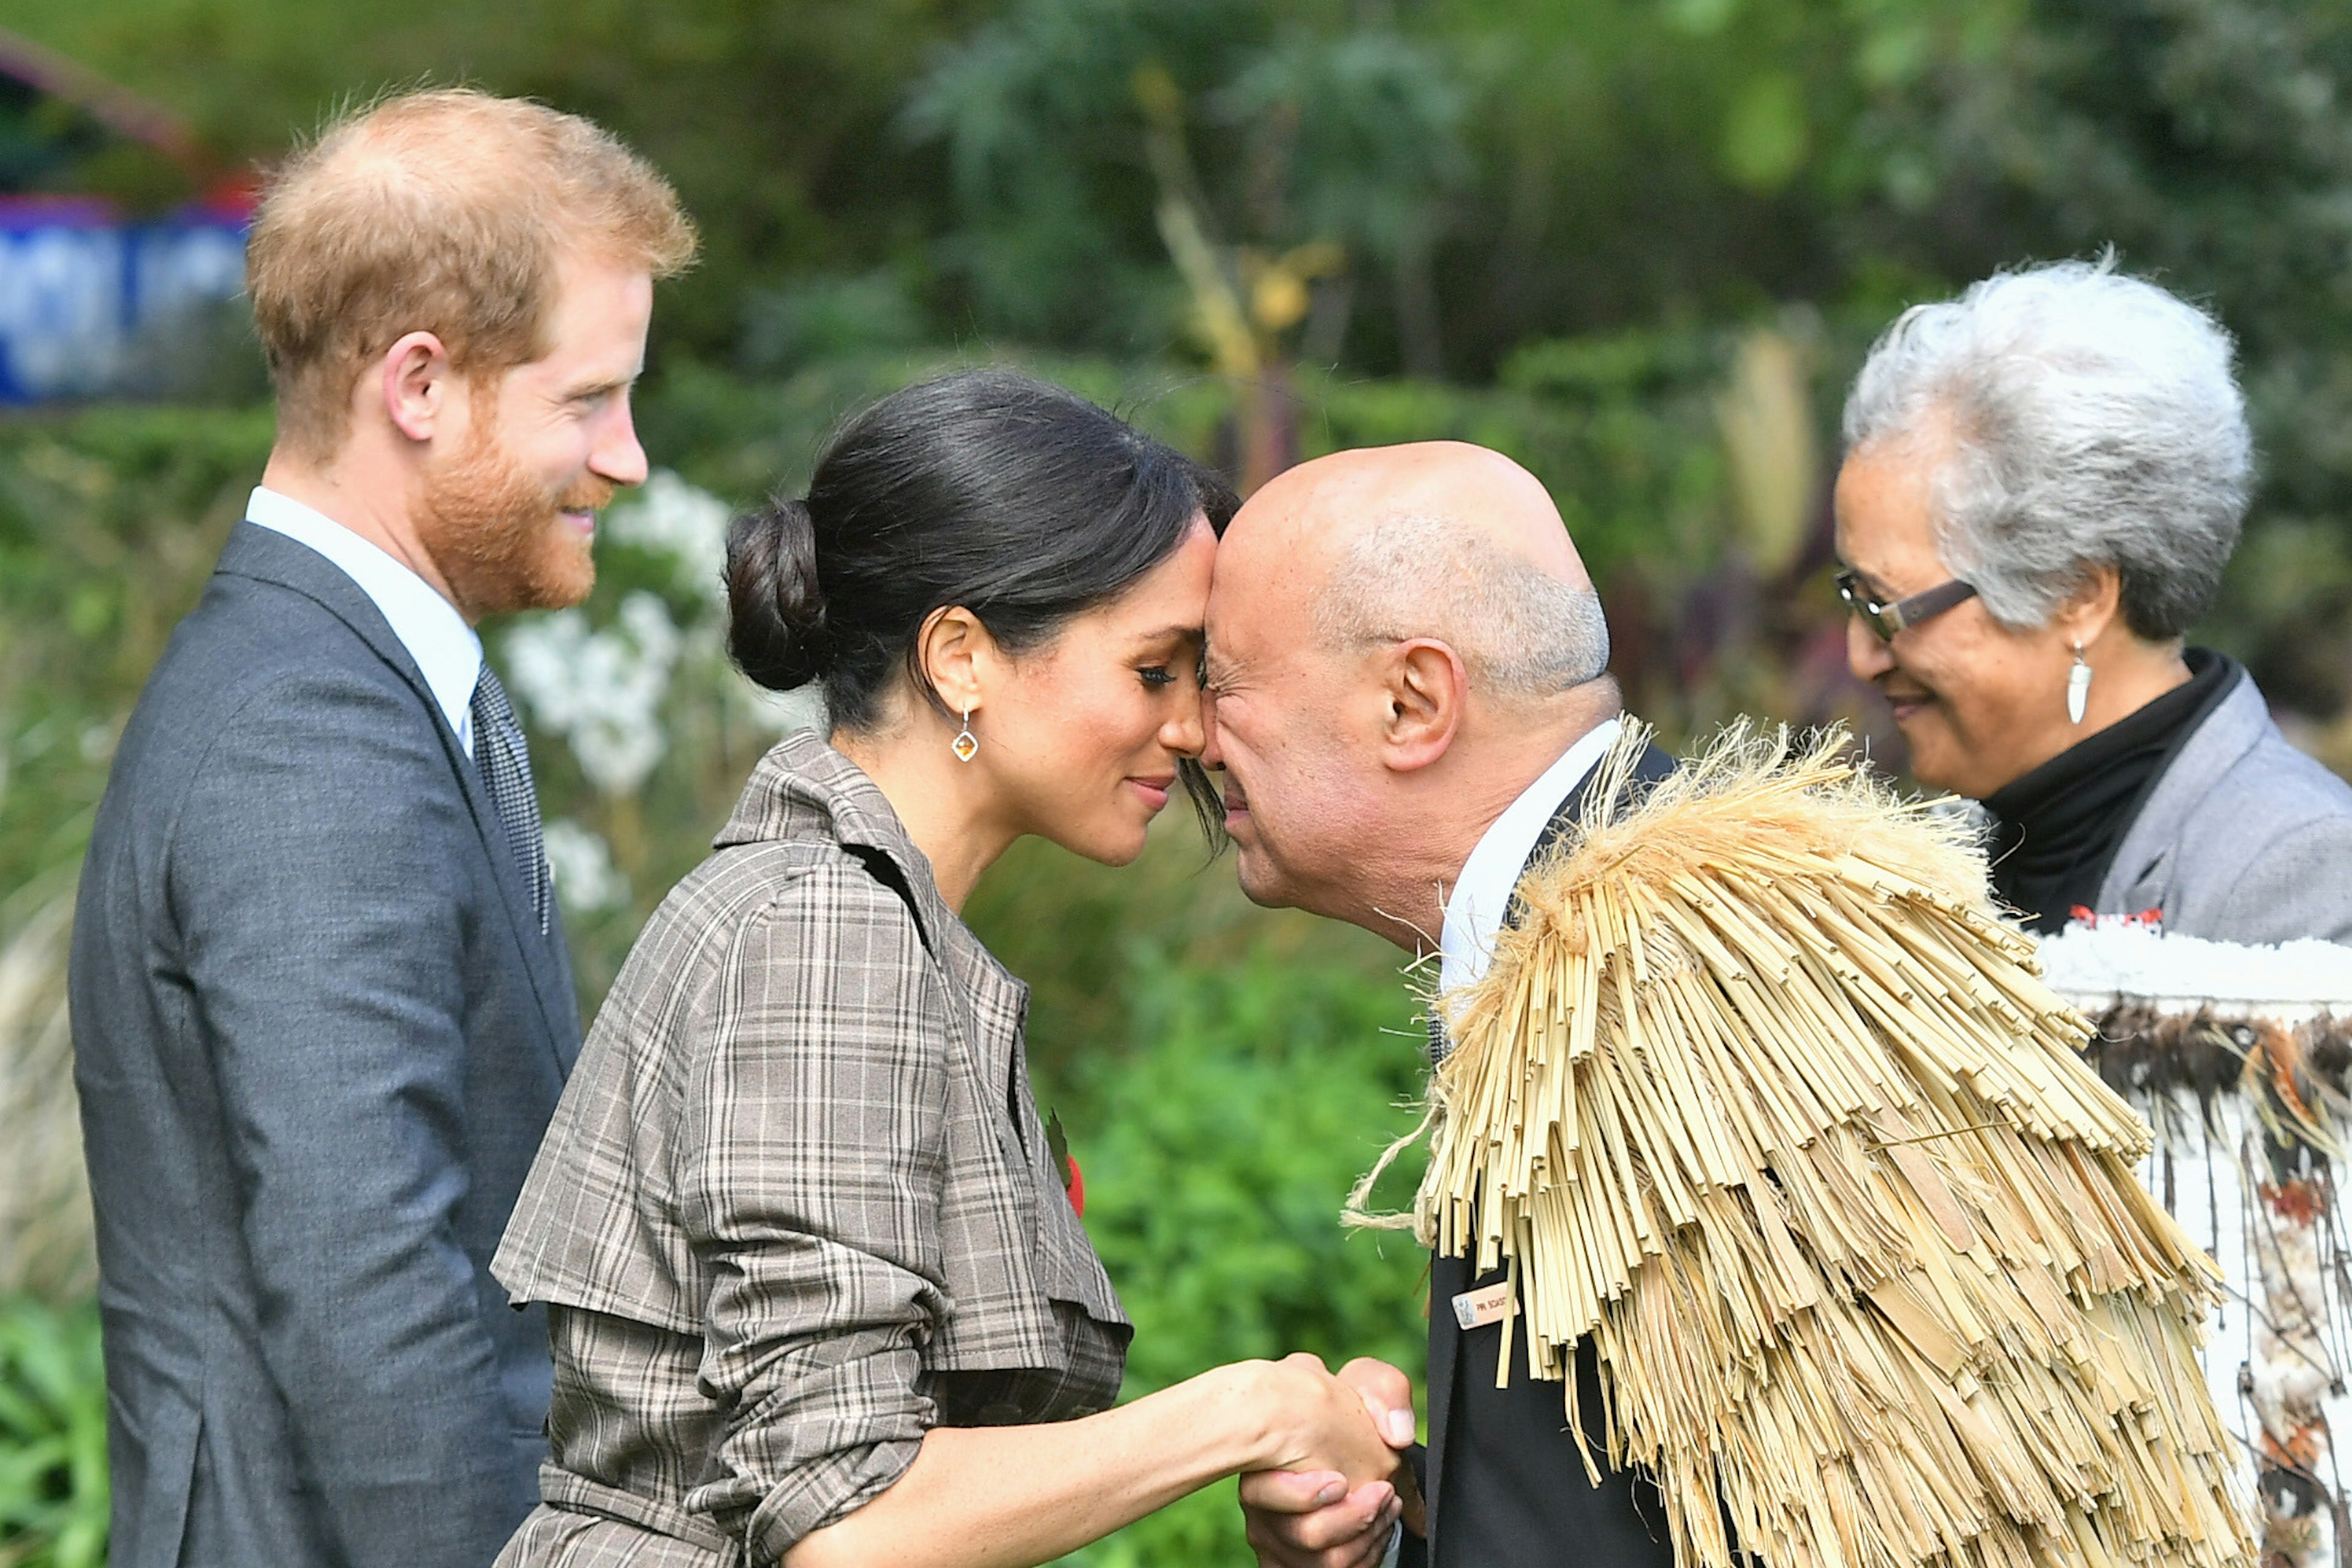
2043, 479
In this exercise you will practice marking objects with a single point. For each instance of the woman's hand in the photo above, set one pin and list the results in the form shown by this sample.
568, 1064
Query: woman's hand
1005, 1497
1314, 1520
1317, 1421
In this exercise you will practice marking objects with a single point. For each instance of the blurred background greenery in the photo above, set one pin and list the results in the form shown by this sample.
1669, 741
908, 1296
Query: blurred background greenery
1638, 243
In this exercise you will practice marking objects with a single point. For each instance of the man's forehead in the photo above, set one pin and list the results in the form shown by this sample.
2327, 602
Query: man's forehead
1230, 637
1254, 618
597, 320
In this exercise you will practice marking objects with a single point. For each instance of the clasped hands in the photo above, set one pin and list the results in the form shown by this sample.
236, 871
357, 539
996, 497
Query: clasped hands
1317, 1517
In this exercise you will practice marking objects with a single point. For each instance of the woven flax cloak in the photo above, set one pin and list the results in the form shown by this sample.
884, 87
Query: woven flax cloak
1761, 1095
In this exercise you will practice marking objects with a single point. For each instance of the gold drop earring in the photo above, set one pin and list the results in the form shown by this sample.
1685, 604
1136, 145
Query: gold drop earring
966, 745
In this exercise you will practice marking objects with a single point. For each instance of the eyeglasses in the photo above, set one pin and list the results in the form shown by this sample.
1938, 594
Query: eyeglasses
1886, 619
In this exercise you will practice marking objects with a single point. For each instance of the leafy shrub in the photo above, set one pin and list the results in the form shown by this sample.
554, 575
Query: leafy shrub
1218, 1147
53, 1489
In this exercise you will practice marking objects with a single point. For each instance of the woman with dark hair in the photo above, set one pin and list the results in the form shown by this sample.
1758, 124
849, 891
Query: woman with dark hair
815, 1292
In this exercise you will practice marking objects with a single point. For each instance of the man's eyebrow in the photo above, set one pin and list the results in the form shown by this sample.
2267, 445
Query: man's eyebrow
598, 387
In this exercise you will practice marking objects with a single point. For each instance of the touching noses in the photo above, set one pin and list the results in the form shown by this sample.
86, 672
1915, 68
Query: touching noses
1186, 730
1866, 653
1211, 755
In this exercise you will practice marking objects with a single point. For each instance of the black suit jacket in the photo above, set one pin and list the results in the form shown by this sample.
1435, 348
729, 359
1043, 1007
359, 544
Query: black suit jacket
318, 1036
1505, 1485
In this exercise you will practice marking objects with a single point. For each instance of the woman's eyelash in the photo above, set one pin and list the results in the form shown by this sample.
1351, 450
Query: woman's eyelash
1156, 675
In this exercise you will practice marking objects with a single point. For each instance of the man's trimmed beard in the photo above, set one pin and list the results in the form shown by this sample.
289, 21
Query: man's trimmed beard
499, 535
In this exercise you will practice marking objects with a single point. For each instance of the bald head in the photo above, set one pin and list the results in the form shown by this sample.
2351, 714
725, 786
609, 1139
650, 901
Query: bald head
1475, 491
1400, 641
1435, 539
445, 212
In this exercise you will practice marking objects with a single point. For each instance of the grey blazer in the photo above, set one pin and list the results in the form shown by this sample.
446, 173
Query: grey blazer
2244, 839
318, 1036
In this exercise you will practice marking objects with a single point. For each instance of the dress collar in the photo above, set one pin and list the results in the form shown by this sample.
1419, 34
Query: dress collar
803, 785
2057, 829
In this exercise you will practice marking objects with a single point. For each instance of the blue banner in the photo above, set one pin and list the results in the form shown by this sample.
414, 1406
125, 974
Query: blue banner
83, 293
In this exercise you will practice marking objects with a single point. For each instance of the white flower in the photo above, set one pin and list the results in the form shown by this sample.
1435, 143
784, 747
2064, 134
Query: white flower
601, 690
672, 518
580, 864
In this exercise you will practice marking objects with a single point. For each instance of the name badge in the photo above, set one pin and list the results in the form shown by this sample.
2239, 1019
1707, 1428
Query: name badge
1491, 1304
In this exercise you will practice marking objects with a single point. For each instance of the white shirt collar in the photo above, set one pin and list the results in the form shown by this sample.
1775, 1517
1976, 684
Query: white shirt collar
428, 625
1473, 915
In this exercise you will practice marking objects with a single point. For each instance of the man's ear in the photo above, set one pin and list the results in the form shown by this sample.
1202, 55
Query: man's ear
417, 384
956, 651
1426, 690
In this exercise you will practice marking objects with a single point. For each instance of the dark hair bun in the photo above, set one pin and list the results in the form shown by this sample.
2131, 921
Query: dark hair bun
777, 632
991, 489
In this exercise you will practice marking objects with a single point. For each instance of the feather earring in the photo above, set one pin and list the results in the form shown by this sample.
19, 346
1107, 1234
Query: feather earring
2078, 686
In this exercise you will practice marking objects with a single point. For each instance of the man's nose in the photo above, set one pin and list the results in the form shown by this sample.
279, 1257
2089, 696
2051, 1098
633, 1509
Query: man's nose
1210, 756
617, 455
1866, 653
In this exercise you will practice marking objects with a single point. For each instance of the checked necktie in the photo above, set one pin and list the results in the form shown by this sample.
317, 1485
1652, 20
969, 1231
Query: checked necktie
505, 763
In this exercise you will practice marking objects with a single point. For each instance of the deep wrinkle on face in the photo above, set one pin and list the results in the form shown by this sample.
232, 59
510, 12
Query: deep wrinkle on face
1286, 786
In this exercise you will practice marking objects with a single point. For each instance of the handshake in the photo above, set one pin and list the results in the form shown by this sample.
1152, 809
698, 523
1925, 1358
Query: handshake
1338, 1503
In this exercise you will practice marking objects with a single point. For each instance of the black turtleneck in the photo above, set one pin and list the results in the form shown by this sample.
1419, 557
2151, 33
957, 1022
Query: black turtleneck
2055, 830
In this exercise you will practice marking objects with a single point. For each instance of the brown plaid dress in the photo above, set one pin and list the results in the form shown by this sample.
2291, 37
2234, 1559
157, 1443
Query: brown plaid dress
796, 1208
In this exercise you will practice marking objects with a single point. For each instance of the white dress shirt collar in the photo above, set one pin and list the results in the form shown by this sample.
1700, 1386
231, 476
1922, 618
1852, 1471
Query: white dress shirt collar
428, 625
1473, 915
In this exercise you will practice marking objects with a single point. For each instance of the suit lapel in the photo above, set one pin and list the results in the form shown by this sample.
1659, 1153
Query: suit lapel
1652, 766
270, 557
1448, 1277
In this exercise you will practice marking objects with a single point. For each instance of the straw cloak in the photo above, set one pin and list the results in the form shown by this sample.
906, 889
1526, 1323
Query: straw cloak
1761, 1095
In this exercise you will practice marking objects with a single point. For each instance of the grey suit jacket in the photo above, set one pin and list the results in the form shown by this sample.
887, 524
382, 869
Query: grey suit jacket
2244, 839
318, 1036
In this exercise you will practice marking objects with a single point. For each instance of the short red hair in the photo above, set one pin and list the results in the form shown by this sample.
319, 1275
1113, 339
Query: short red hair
443, 210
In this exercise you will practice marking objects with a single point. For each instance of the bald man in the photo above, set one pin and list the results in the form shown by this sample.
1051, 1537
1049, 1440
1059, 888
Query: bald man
1409, 668
321, 1011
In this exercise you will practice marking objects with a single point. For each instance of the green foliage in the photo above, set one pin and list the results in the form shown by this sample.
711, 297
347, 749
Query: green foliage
1582, 211
1302, 128
879, 177
109, 522
53, 1488
1218, 1146
766, 116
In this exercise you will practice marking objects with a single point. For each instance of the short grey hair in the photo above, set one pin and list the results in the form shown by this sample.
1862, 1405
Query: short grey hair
1523, 634
2094, 420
